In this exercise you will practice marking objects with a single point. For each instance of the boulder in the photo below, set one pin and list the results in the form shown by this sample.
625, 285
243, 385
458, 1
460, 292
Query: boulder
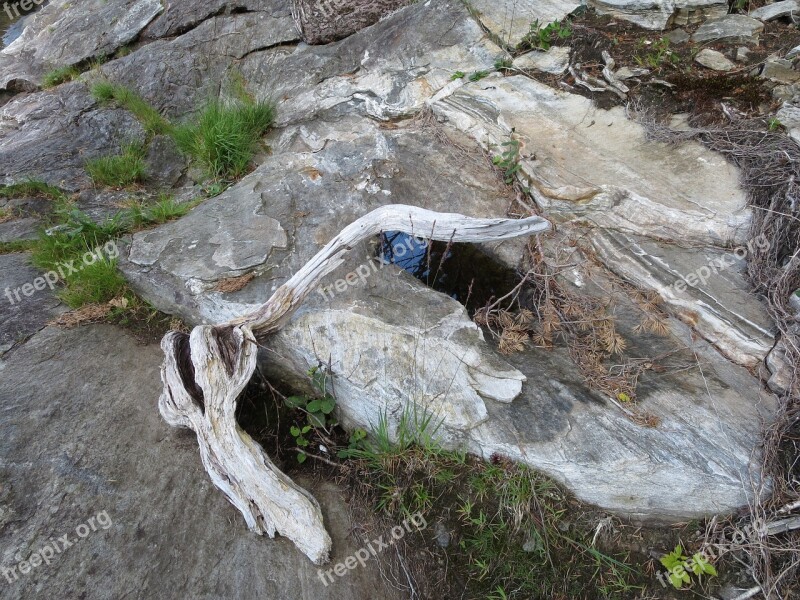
177, 76
588, 165
659, 14
730, 28
394, 342
776, 10
554, 61
716, 61
510, 21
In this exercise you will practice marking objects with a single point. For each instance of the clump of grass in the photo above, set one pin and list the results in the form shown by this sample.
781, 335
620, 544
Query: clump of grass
16, 246
59, 76
119, 171
165, 209
515, 530
85, 246
32, 188
148, 116
223, 138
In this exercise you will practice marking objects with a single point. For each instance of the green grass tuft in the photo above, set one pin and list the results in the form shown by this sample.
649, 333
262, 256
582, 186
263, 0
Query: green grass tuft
59, 76
224, 137
148, 116
93, 279
16, 246
32, 187
165, 209
118, 171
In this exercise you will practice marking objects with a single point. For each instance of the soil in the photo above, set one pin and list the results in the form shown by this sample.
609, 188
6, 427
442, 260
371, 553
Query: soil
689, 88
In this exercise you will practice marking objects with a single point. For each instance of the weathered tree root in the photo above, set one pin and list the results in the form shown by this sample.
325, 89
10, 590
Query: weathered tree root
205, 372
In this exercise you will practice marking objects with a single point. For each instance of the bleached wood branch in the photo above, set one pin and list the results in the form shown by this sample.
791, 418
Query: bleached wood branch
205, 372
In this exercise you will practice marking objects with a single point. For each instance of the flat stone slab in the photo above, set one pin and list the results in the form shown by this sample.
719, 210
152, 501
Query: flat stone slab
659, 14
510, 20
714, 60
588, 165
21, 314
732, 28
554, 61
776, 10
83, 444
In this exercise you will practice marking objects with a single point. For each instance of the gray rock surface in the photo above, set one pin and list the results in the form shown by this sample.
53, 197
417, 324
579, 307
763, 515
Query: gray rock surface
387, 71
176, 76
165, 164
714, 60
82, 440
780, 71
394, 340
23, 228
554, 61
65, 33
50, 135
510, 20
776, 10
789, 115
23, 312
706, 288
658, 14
732, 28
592, 165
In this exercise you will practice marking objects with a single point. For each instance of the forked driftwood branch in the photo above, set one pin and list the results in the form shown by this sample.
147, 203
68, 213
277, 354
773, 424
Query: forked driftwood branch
205, 372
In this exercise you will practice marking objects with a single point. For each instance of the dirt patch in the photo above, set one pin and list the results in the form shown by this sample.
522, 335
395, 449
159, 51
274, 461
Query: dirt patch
675, 83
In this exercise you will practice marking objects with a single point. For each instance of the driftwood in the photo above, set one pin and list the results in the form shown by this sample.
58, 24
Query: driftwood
205, 372
325, 21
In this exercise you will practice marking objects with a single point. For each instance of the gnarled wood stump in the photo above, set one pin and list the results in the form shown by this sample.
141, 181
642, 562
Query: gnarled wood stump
205, 372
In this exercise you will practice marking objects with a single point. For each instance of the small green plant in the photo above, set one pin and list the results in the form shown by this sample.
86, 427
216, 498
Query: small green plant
503, 64
508, 160
318, 410
457, 75
224, 136
542, 37
679, 566
774, 124
121, 170
59, 76
478, 75
654, 55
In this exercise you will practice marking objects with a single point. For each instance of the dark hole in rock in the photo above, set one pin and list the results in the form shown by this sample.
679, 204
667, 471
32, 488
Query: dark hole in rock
461, 271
